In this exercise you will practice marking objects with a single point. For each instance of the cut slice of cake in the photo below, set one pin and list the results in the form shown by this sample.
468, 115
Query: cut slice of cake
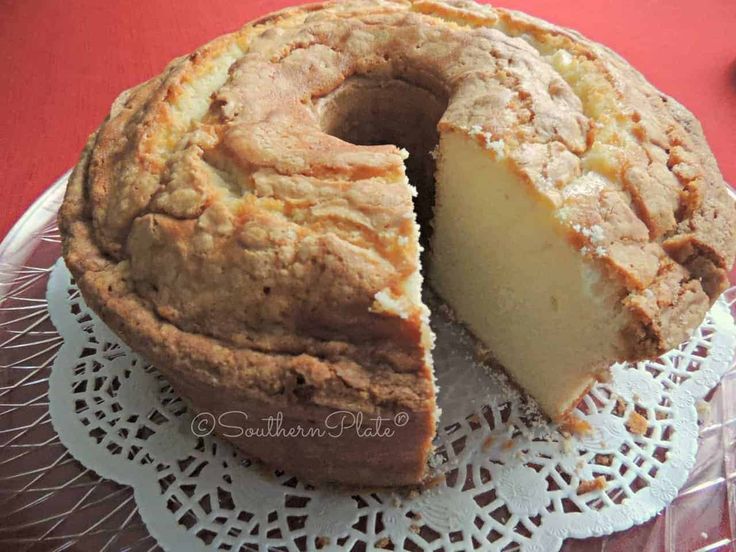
501, 259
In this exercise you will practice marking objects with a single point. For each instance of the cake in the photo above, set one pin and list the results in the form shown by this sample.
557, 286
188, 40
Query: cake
249, 221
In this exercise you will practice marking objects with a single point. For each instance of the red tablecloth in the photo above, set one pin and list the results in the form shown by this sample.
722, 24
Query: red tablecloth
62, 64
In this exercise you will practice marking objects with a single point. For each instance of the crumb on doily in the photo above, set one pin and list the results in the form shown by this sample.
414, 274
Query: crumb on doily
620, 407
509, 444
566, 443
322, 542
603, 459
383, 543
637, 424
487, 443
534, 419
588, 485
575, 425
436, 460
703, 409
414, 528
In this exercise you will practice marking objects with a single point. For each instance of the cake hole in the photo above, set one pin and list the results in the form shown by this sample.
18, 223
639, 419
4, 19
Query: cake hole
371, 111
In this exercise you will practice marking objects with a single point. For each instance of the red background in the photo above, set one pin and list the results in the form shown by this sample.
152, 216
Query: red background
62, 64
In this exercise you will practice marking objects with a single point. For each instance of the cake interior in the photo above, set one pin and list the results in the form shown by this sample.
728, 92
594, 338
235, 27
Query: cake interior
496, 255
500, 262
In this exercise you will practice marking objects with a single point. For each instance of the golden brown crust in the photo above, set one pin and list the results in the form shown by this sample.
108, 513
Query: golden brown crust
214, 186
219, 377
627, 169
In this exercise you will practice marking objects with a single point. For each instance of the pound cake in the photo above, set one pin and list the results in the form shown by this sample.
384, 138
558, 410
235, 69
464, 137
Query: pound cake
249, 221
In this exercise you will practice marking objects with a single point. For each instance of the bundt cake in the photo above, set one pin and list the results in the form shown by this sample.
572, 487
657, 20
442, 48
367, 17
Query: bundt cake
249, 221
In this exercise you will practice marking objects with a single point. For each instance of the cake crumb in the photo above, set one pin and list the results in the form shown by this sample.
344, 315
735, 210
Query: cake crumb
603, 459
620, 407
575, 425
436, 460
597, 484
322, 542
487, 444
414, 528
383, 543
637, 424
704, 535
508, 444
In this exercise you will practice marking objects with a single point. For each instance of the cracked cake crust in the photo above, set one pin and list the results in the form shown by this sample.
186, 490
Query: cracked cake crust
256, 259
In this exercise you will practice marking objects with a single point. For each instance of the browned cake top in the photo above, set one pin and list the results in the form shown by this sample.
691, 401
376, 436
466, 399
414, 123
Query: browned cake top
217, 218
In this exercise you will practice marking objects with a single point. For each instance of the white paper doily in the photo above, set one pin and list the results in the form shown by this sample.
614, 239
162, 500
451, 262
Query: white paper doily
507, 483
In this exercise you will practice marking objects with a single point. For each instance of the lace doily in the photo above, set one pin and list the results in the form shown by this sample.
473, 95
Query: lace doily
506, 482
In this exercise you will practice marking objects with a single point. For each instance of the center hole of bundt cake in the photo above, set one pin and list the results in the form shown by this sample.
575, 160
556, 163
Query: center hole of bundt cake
375, 111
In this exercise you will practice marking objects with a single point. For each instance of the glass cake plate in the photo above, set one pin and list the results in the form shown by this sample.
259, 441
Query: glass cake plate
51, 501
